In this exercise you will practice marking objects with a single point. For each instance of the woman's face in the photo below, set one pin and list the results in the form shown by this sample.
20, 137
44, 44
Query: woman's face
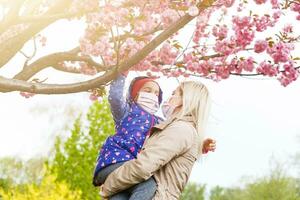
176, 98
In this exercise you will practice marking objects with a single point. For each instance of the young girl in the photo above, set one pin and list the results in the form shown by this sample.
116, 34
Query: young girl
133, 118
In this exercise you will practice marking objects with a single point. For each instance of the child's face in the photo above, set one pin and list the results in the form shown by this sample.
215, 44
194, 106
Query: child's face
150, 87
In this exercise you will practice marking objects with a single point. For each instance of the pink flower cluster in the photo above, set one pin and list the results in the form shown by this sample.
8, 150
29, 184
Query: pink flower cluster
260, 1
247, 64
275, 4
242, 27
262, 23
260, 46
288, 28
295, 6
225, 47
168, 17
144, 26
84, 5
289, 74
42, 40
130, 48
109, 16
280, 52
86, 69
201, 26
194, 65
27, 94
226, 3
220, 32
168, 54
102, 47
267, 69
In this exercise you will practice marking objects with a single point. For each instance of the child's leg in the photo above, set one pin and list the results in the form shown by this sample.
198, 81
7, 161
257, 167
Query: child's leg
144, 191
120, 196
100, 177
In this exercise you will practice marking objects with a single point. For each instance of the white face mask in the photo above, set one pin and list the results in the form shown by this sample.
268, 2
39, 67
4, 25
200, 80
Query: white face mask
148, 101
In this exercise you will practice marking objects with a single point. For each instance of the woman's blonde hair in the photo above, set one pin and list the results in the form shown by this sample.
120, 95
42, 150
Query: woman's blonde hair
196, 103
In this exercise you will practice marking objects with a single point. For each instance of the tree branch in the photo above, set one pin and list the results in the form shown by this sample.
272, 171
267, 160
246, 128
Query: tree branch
10, 47
53, 60
40, 88
11, 16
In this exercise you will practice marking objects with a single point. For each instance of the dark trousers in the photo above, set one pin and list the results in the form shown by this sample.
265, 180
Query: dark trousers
142, 191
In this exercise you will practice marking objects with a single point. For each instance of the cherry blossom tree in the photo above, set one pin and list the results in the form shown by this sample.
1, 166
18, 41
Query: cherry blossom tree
228, 38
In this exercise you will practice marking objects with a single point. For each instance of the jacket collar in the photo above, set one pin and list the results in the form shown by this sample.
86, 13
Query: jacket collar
165, 123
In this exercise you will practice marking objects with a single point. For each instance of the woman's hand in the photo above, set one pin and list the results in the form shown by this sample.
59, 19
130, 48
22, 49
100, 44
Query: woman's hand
208, 145
103, 194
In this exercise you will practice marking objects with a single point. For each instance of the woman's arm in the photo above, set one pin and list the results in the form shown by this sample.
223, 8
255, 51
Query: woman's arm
118, 104
171, 142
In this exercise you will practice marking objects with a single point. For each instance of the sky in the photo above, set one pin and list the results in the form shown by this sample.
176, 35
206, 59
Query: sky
254, 120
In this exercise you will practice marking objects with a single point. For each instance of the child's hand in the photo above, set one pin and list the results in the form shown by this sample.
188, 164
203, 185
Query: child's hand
125, 73
208, 145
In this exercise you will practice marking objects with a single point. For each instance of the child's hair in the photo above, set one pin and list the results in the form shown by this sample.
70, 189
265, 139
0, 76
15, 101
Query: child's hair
143, 80
196, 102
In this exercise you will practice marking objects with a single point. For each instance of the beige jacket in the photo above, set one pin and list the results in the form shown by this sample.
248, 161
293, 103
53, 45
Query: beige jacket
169, 154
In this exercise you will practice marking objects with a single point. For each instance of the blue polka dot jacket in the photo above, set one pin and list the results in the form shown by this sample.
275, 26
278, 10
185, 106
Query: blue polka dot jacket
132, 126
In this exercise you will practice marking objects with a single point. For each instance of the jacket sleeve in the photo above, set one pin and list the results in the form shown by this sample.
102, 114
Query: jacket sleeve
118, 104
174, 140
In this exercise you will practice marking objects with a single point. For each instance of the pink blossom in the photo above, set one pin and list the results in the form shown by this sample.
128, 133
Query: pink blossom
168, 54
260, 1
289, 74
280, 52
43, 40
233, 65
191, 66
193, 11
295, 6
227, 3
222, 72
241, 22
276, 15
275, 4
87, 70
201, 26
267, 69
168, 17
226, 47
80, 5
220, 31
240, 7
247, 64
188, 57
263, 23
244, 37
27, 94
204, 68
93, 97
288, 28
147, 25
260, 46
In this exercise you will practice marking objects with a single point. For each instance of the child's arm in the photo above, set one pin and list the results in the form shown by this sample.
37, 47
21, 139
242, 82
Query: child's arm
118, 104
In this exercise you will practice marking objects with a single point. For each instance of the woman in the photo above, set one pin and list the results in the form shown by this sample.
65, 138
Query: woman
172, 149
